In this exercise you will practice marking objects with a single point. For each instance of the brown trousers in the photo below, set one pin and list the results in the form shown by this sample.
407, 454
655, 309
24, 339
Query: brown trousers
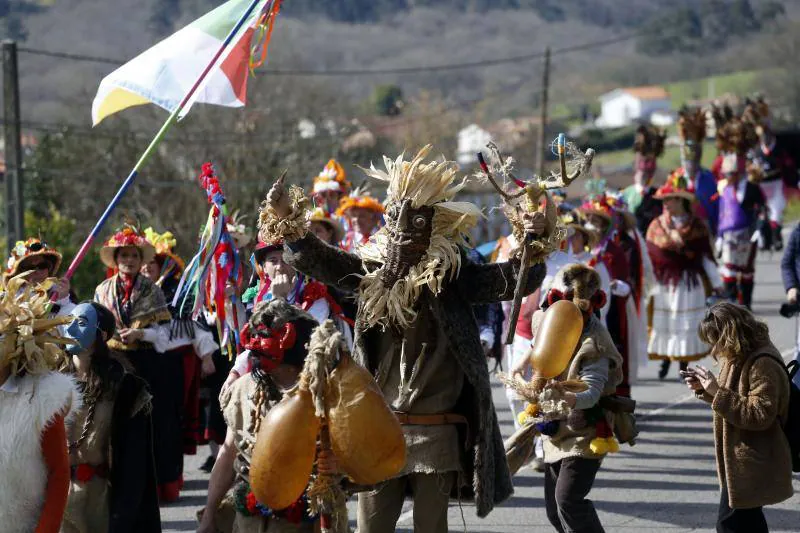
379, 510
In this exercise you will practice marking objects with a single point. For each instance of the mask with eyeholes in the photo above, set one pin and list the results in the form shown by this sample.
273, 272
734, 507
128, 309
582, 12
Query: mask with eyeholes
409, 231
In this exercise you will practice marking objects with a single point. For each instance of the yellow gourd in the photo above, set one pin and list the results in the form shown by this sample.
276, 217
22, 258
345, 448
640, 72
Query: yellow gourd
284, 452
366, 436
556, 339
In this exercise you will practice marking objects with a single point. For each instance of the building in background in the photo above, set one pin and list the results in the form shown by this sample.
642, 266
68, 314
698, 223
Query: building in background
625, 106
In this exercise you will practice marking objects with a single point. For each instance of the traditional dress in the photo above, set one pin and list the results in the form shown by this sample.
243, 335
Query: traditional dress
640, 197
330, 187
685, 270
137, 303
113, 485
359, 199
186, 342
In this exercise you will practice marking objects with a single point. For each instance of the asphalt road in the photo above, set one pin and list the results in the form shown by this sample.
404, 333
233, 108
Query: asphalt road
666, 483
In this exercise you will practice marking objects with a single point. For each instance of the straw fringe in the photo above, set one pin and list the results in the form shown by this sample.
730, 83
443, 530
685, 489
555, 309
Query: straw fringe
272, 227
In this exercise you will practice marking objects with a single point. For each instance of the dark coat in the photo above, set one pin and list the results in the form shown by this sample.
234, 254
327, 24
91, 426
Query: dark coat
133, 501
790, 264
476, 284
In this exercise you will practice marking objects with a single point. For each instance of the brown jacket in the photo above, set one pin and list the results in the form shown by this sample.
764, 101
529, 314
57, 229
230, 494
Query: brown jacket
753, 457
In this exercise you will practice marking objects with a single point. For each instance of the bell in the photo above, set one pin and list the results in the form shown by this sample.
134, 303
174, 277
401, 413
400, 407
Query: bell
284, 452
366, 436
556, 339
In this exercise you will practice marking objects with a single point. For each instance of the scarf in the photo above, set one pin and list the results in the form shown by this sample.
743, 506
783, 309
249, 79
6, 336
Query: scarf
678, 252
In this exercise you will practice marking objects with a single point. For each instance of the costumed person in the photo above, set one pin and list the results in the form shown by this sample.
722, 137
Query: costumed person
680, 247
692, 132
274, 371
277, 279
363, 215
416, 332
741, 203
330, 187
576, 441
777, 170
603, 217
189, 345
142, 320
35, 403
649, 146
41, 262
113, 485
325, 227
579, 245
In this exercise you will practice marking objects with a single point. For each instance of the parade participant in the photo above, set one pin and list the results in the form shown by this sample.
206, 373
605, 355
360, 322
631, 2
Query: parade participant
330, 187
189, 346
142, 316
244, 405
113, 485
571, 450
649, 146
679, 245
750, 403
326, 228
363, 214
416, 332
740, 203
277, 279
602, 217
579, 245
40, 261
692, 132
35, 402
777, 170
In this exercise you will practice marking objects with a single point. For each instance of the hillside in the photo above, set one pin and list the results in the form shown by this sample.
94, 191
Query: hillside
347, 34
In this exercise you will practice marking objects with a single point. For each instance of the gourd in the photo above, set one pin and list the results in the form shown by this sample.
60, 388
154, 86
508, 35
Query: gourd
556, 339
366, 437
284, 452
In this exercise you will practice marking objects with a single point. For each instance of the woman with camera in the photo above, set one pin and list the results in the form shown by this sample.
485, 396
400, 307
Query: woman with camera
749, 401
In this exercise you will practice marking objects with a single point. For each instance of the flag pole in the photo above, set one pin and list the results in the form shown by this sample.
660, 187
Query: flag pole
173, 117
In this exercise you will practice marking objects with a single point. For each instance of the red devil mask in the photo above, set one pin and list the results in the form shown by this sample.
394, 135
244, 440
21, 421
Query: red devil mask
269, 345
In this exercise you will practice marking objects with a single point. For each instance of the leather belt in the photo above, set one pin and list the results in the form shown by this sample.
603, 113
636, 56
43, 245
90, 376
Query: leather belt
439, 419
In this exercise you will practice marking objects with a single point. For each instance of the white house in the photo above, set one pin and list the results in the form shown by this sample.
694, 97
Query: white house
471, 140
622, 107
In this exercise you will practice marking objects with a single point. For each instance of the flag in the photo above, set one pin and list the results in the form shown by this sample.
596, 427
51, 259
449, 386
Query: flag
165, 73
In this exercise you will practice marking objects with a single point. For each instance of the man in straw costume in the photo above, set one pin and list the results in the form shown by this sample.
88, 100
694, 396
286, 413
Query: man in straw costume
35, 401
741, 202
777, 171
679, 244
578, 434
416, 332
244, 406
692, 132
649, 146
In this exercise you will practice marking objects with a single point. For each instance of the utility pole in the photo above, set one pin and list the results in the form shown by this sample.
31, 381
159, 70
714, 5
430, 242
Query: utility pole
15, 207
543, 126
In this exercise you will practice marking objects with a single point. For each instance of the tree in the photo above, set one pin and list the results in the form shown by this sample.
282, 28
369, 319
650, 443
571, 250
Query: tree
388, 100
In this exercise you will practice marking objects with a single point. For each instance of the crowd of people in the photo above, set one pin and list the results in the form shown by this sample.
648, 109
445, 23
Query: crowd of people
145, 382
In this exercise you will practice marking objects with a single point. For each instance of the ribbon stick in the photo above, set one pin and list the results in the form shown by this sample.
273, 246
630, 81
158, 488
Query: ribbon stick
173, 117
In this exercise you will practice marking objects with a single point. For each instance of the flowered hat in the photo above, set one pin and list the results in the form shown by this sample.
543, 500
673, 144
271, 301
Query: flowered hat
609, 207
332, 178
238, 230
128, 235
362, 199
320, 215
572, 222
25, 250
164, 244
677, 186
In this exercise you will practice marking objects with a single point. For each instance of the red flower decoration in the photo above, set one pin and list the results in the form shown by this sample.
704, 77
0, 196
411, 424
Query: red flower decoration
250, 502
84, 473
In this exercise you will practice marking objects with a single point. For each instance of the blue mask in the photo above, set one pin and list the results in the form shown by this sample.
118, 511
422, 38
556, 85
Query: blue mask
82, 329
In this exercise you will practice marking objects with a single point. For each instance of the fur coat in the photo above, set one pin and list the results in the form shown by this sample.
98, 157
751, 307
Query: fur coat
24, 415
753, 457
475, 284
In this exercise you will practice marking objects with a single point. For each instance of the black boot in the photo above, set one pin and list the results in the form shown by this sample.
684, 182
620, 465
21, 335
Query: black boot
662, 373
747, 294
731, 291
777, 238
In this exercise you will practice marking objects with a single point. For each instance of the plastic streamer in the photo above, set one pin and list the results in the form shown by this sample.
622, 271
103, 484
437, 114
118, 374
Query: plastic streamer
215, 266
264, 27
